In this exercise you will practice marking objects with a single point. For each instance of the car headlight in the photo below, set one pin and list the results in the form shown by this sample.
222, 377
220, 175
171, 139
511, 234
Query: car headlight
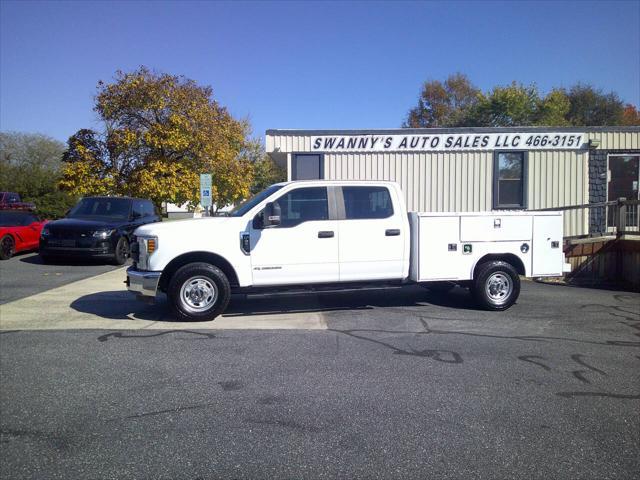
103, 234
45, 232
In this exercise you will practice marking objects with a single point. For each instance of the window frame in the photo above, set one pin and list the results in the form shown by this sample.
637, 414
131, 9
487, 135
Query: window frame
294, 164
331, 210
496, 181
342, 207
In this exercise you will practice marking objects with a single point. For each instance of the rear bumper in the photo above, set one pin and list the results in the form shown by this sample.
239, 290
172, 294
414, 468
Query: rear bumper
142, 282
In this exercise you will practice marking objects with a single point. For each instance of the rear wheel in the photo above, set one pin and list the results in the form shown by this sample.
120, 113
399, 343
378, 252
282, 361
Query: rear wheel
198, 291
496, 285
7, 247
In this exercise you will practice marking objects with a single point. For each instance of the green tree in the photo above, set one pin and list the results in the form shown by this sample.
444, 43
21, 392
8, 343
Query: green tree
30, 165
513, 105
554, 109
160, 132
265, 171
593, 107
456, 102
443, 104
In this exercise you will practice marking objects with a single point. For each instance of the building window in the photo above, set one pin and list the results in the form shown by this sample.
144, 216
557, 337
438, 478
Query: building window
509, 180
367, 202
307, 167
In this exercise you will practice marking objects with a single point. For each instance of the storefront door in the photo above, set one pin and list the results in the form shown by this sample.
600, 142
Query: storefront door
624, 178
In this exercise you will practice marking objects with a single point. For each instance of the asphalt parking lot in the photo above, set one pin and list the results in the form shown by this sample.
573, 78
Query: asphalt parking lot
399, 383
25, 275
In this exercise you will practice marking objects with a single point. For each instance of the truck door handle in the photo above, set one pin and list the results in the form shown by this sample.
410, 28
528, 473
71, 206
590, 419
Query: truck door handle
325, 234
392, 232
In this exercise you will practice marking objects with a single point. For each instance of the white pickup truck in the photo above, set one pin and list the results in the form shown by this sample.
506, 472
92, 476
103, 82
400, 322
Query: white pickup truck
339, 234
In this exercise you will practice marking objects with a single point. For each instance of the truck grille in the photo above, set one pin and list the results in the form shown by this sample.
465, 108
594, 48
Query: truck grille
65, 234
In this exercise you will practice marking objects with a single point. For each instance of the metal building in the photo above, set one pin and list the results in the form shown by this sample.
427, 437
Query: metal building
476, 169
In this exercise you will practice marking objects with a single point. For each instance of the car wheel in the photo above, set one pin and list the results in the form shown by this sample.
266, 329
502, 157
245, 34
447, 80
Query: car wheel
7, 247
496, 285
198, 292
122, 251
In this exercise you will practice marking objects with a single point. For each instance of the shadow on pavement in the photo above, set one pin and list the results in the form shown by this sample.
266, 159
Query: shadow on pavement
70, 261
122, 305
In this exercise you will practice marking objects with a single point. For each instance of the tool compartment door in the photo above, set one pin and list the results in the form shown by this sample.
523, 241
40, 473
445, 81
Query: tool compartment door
547, 255
495, 228
439, 251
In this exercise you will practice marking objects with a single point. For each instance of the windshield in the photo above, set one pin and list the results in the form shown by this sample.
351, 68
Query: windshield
247, 205
111, 208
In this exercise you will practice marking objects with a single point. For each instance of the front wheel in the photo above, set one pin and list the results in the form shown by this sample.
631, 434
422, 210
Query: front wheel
198, 292
122, 251
496, 285
7, 247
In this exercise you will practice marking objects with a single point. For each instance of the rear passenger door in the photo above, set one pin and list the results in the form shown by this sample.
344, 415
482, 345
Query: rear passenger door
371, 235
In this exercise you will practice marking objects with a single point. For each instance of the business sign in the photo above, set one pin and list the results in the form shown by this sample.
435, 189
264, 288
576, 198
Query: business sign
449, 142
205, 189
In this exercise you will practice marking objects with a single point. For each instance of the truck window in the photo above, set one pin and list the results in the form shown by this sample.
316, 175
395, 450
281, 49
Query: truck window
303, 205
367, 202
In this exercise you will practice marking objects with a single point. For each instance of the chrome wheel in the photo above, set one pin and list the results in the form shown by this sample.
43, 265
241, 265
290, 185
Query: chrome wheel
198, 294
498, 287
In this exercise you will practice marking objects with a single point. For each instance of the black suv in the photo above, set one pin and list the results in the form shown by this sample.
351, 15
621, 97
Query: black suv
97, 227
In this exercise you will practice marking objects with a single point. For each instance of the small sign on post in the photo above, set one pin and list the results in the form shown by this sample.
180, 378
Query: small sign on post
205, 190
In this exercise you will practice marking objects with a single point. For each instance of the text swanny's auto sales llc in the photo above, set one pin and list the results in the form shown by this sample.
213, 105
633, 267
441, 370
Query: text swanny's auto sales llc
490, 141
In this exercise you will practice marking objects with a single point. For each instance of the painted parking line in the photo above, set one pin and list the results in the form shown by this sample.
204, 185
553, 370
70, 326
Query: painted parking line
102, 302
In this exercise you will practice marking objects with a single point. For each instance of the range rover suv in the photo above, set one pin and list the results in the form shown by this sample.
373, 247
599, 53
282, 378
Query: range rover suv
97, 227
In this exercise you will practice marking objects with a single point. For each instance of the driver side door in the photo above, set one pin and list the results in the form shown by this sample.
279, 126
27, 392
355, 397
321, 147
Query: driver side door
304, 247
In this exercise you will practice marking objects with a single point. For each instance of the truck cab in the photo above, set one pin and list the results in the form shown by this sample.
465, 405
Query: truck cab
314, 233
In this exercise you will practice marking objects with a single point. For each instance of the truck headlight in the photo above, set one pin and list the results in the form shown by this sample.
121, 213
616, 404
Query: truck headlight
147, 246
151, 244
45, 232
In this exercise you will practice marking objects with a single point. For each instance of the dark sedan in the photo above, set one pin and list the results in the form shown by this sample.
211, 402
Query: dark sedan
97, 227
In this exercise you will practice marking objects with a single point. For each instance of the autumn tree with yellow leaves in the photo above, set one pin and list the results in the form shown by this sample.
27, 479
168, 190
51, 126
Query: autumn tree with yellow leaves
160, 132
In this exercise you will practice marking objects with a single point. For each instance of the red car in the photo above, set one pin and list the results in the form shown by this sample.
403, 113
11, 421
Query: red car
19, 231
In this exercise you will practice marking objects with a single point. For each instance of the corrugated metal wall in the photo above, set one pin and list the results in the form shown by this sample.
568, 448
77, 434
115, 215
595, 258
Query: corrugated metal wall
557, 179
462, 181
612, 140
437, 182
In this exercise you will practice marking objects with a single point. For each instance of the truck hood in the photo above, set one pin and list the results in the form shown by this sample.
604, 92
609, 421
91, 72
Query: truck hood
196, 226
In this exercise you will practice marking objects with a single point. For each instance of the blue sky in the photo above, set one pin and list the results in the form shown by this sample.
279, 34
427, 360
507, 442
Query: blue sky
305, 65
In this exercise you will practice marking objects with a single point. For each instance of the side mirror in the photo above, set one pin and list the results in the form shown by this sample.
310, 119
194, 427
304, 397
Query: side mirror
271, 215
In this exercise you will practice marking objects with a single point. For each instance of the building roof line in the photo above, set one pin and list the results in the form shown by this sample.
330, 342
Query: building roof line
435, 131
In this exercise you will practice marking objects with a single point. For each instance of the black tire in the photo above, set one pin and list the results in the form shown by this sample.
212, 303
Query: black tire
439, 287
46, 259
122, 252
7, 247
198, 292
496, 285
